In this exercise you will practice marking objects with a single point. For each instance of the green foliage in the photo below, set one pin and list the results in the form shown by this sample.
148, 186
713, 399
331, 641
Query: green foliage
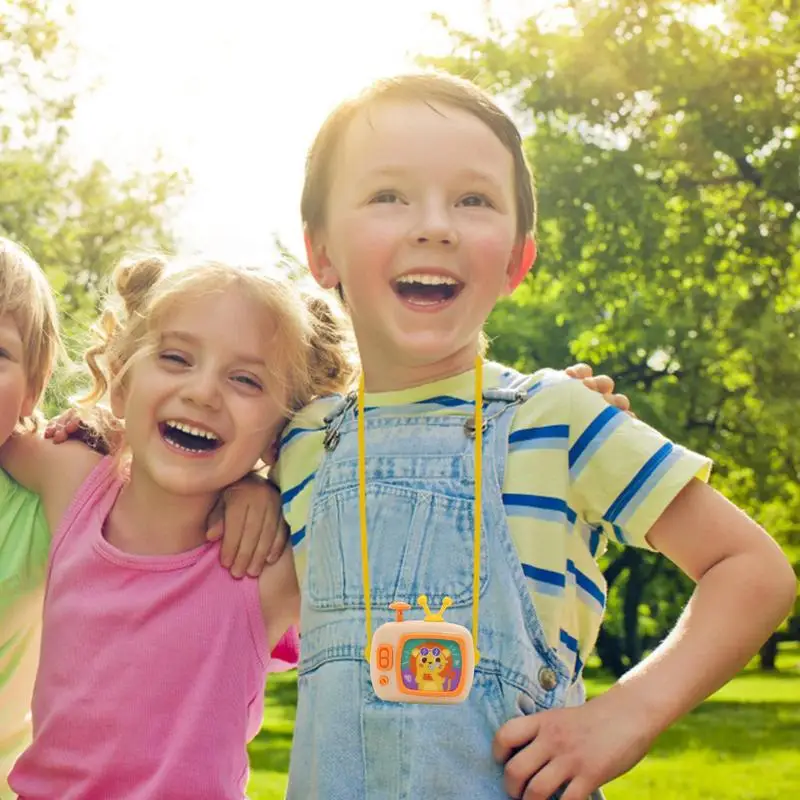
667, 163
77, 223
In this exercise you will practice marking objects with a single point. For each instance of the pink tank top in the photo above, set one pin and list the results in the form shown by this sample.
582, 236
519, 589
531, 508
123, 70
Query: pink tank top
152, 672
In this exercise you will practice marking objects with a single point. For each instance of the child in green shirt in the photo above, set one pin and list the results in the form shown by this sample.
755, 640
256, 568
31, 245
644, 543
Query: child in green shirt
28, 346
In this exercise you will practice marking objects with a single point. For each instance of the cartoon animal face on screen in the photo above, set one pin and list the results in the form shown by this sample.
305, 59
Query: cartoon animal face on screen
431, 666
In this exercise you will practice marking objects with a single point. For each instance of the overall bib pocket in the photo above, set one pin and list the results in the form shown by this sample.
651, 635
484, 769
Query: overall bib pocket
412, 549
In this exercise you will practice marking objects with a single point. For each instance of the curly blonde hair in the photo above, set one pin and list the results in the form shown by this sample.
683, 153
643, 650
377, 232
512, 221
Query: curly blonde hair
314, 350
26, 295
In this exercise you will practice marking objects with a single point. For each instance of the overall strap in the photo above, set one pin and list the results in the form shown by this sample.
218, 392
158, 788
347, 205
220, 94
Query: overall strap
335, 419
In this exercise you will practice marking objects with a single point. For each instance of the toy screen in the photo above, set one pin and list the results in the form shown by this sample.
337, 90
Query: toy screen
431, 665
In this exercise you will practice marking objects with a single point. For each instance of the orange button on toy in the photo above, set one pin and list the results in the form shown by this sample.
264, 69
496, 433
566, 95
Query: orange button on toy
385, 657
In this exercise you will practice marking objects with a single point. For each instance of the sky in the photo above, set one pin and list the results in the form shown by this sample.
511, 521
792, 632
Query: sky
234, 92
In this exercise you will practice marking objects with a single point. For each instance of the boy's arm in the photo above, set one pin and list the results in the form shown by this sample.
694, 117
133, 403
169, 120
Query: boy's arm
53, 472
744, 588
247, 518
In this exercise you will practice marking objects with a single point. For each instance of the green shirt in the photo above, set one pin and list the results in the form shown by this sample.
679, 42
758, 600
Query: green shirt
24, 546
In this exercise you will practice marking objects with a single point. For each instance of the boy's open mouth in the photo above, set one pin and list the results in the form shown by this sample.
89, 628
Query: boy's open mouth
190, 438
424, 289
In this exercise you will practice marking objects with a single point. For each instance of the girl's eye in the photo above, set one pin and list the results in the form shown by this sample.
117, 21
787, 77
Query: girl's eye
4, 353
385, 197
248, 381
475, 201
174, 358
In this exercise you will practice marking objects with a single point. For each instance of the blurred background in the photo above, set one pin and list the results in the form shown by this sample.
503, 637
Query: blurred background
664, 139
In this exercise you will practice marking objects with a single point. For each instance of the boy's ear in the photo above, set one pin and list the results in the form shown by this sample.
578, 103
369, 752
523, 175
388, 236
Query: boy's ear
522, 257
270, 454
28, 406
320, 265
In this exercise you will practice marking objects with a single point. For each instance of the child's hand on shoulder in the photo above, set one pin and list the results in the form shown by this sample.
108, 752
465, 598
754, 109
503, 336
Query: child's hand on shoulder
603, 384
97, 428
248, 518
576, 749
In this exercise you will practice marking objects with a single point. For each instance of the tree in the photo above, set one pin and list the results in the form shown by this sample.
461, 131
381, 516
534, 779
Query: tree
667, 163
77, 224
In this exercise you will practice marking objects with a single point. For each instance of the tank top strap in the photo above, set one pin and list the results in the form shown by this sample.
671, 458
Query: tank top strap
97, 493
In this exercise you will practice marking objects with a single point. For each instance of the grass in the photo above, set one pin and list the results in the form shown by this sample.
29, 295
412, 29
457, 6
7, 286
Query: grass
741, 744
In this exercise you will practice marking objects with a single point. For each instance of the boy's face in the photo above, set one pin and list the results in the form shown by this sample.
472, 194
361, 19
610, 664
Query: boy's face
15, 396
421, 233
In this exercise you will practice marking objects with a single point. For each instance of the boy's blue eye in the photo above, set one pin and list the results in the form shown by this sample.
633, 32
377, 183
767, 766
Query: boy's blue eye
4, 353
476, 200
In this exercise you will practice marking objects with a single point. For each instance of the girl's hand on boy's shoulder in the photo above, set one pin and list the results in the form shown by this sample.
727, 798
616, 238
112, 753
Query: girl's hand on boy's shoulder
577, 750
248, 518
603, 384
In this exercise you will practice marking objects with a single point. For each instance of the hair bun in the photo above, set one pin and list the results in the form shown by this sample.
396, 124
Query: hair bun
135, 280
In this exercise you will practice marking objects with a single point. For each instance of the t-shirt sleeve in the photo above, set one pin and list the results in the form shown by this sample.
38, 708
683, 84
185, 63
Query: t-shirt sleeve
299, 455
623, 474
24, 537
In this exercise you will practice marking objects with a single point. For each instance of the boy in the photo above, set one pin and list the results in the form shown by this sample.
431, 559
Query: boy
28, 346
419, 211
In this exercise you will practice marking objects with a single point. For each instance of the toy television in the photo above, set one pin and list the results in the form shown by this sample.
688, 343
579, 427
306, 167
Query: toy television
422, 661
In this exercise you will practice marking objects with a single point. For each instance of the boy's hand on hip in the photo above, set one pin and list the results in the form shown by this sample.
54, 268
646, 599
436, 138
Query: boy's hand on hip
576, 750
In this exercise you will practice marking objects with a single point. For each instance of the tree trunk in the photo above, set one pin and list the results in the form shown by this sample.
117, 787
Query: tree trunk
609, 652
634, 589
769, 652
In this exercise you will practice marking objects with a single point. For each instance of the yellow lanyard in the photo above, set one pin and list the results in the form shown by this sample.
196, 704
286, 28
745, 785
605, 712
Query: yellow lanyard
362, 505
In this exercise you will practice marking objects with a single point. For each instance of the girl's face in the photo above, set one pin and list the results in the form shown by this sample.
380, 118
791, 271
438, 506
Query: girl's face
15, 397
199, 407
421, 232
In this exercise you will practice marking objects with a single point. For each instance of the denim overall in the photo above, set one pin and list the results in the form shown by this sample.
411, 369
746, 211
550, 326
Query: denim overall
348, 744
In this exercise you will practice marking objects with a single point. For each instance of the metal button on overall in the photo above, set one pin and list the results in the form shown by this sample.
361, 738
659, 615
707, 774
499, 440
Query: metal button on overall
547, 679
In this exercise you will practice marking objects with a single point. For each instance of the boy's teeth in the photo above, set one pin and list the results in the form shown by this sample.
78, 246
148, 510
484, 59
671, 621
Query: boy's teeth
182, 426
429, 280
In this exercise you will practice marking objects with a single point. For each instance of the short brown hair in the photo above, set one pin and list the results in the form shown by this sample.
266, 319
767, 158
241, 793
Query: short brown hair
426, 88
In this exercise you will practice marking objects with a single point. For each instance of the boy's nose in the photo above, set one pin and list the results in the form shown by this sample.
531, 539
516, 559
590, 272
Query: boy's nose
435, 226
445, 239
